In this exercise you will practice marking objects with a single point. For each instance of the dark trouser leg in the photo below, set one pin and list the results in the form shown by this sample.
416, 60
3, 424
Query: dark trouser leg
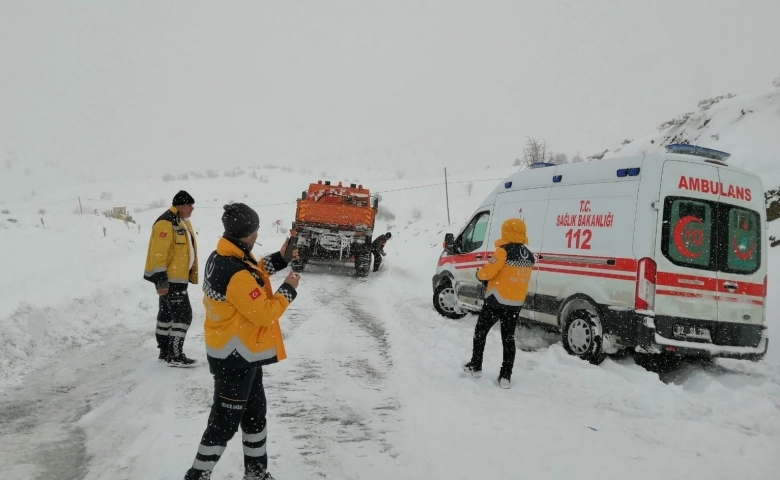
487, 318
181, 316
253, 427
508, 324
164, 322
232, 390
377, 260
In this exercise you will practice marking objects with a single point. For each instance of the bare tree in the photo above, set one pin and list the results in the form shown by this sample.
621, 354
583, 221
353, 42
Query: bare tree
535, 151
560, 159
577, 158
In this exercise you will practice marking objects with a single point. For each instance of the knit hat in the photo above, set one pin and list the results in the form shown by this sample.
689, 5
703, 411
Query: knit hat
182, 198
239, 220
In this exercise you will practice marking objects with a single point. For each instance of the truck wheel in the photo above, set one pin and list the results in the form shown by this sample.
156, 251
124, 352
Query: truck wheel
362, 264
444, 300
581, 337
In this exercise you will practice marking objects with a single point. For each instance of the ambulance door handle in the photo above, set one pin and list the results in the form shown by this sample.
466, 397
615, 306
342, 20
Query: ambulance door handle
478, 257
730, 286
685, 281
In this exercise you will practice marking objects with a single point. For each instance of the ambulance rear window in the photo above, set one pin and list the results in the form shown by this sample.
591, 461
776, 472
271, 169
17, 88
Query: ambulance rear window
743, 252
688, 232
711, 236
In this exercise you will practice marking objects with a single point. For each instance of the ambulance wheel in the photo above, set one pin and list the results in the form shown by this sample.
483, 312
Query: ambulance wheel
444, 300
581, 338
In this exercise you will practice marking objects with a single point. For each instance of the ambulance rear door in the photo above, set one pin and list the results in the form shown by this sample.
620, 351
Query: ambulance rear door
687, 251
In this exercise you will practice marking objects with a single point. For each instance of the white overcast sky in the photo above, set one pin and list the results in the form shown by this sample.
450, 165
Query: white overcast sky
161, 86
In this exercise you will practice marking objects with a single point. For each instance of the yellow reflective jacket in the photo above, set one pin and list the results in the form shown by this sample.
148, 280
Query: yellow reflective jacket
509, 268
242, 311
168, 257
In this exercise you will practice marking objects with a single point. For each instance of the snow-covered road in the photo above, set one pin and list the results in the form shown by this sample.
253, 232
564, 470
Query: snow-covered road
373, 390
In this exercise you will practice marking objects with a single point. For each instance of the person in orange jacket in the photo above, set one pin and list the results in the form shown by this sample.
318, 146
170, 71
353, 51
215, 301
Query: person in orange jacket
172, 264
507, 273
242, 335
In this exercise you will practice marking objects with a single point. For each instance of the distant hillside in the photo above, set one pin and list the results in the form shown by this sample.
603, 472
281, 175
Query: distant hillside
748, 127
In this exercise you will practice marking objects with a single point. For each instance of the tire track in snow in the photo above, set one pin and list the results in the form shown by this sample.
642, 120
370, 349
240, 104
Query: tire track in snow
334, 396
39, 433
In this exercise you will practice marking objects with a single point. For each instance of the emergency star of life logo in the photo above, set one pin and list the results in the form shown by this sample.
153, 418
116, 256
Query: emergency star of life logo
254, 294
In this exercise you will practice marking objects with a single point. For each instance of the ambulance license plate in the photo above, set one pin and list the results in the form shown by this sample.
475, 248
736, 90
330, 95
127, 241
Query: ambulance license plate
687, 331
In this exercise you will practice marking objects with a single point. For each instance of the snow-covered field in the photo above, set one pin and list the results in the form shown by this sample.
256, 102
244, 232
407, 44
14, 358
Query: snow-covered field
372, 388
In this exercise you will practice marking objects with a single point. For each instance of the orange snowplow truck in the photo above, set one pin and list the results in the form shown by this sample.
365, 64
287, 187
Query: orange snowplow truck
334, 224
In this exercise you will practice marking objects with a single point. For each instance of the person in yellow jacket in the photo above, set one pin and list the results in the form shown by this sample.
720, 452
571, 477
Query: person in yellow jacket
172, 264
507, 273
242, 335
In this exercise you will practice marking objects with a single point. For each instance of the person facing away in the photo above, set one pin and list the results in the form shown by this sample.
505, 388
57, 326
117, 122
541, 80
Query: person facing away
378, 249
242, 335
171, 265
507, 273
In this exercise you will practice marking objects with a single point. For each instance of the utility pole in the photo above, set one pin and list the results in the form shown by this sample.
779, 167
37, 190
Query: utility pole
447, 194
80, 210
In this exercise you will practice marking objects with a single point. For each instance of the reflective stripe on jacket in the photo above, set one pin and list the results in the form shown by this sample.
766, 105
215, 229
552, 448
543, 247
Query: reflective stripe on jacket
242, 311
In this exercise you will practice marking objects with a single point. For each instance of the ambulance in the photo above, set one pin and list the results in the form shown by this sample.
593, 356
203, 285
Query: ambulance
662, 254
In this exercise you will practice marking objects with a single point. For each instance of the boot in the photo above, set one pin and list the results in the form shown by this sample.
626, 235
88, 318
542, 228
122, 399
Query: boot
193, 474
258, 476
254, 469
473, 369
176, 357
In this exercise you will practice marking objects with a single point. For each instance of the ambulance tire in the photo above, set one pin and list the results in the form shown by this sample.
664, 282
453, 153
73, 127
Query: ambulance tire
444, 290
579, 338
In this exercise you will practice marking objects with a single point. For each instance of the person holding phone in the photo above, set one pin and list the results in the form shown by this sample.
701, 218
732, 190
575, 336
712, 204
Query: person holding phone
243, 334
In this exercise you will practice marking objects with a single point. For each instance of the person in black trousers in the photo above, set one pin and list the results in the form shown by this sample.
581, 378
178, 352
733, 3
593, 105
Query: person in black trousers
378, 249
506, 273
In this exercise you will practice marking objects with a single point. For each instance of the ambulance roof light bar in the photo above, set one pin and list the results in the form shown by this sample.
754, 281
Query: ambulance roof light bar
541, 165
698, 151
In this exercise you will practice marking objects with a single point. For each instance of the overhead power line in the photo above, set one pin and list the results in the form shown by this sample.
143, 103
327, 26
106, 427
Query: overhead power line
430, 185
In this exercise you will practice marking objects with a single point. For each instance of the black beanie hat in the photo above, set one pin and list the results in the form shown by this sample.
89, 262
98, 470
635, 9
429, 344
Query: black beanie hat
182, 198
239, 220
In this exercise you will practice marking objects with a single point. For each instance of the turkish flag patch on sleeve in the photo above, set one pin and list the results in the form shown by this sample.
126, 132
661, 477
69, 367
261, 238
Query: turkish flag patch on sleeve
163, 234
254, 294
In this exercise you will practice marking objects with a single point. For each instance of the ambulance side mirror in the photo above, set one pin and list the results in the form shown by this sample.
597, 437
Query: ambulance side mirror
449, 243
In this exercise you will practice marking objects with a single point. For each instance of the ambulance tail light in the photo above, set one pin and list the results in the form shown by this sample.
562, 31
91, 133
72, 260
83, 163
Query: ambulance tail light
645, 284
